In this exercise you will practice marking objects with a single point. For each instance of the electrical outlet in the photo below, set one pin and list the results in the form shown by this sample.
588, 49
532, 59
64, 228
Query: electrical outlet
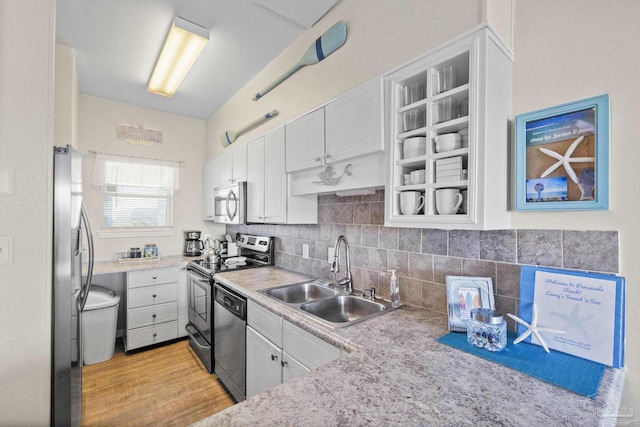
305, 251
330, 254
6, 181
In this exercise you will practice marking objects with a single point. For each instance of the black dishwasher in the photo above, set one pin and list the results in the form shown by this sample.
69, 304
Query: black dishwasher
230, 318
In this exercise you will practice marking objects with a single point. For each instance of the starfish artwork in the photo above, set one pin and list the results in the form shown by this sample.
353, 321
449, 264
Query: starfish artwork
533, 328
566, 160
575, 321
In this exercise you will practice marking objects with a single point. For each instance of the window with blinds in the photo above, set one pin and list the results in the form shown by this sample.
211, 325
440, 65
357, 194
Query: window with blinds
137, 193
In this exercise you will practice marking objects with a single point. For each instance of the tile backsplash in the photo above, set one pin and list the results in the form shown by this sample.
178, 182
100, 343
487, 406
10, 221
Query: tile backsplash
423, 257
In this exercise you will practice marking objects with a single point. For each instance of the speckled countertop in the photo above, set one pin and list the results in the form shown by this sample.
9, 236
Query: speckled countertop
397, 374
108, 267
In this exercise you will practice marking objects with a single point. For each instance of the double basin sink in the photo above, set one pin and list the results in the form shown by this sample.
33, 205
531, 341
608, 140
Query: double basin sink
329, 305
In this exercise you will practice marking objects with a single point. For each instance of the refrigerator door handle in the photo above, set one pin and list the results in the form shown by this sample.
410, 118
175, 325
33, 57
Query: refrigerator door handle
85, 288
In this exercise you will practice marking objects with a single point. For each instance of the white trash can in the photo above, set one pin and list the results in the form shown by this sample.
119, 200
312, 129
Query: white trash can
99, 323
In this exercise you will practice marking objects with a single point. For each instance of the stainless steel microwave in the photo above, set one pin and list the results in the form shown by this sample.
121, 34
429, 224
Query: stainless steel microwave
230, 202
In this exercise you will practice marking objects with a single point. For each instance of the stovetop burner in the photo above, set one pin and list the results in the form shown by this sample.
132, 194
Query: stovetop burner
258, 251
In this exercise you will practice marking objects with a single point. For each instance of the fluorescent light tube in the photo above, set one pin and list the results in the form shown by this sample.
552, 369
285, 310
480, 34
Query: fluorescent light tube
184, 43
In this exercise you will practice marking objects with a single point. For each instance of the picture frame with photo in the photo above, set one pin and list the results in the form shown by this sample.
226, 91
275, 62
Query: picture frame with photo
562, 157
465, 293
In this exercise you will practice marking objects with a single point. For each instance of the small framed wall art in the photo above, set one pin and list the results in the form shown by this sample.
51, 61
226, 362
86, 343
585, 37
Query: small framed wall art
465, 293
562, 157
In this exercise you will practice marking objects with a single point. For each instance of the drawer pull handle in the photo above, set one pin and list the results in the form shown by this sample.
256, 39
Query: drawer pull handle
274, 357
283, 363
155, 277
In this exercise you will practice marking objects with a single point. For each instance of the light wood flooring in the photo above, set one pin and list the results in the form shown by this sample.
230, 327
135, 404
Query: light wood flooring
164, 386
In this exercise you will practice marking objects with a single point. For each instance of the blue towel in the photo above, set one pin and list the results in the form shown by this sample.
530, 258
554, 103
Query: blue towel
573, 373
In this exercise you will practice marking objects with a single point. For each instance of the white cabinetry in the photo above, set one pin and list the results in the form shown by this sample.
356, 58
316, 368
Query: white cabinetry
305, 141
268, 200
353, 123
278, 350
482, 94
232, 165
347, 127
210, 176
183, 300
152, 307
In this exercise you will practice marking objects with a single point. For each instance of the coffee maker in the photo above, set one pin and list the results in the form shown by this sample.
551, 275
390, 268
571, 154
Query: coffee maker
193, 246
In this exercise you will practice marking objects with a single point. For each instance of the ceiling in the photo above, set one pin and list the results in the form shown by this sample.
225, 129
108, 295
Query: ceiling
116, 44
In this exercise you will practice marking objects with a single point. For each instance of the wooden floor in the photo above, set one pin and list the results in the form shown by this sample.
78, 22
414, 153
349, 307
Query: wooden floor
165, 386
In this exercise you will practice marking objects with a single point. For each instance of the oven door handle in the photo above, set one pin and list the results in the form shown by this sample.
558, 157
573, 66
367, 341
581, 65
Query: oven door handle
194, 276
195, 340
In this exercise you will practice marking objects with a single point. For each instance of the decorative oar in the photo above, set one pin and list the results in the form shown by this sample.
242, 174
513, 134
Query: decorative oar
229, 137
324, 46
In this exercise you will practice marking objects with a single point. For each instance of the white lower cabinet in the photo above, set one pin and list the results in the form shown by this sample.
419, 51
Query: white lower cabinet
278, 351
152, 307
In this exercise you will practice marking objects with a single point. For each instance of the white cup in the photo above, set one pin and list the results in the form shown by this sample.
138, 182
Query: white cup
411, 202
463, 206
448, 201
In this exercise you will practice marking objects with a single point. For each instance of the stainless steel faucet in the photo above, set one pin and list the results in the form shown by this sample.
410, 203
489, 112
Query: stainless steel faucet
347, 280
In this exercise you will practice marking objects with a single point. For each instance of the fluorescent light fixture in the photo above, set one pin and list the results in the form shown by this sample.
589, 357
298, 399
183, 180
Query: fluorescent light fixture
184, 43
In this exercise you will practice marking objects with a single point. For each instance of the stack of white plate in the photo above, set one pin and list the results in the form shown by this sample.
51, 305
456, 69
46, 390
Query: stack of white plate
415, 147
418, 176
464, 133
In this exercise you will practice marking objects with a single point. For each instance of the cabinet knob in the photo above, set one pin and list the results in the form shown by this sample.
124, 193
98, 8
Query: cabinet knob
154, 277
154, 316
155, 335
317, 159
326, 156
260, 217
154, 295
283, 363
274, 357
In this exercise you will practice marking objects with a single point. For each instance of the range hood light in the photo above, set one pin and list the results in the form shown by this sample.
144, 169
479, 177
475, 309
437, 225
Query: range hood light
182, 47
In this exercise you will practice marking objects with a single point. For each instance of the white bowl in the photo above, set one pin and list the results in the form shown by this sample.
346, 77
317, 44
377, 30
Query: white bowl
414, 147
448, 142
418, 176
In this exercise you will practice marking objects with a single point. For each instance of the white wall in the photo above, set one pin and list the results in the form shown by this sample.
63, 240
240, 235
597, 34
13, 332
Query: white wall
183, 139
380, 35
26, 146
574, 49
66, 97
564, 51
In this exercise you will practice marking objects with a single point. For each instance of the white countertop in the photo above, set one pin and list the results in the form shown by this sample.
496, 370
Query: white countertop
108, 267
398, 374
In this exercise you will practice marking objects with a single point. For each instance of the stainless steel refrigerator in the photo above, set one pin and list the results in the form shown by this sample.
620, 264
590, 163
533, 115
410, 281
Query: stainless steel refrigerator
69, 291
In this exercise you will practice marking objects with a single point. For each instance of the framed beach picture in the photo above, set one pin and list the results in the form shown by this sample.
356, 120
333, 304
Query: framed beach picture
562, 157
465, 293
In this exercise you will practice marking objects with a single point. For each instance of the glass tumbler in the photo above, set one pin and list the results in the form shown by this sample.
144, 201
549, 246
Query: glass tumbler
446, 109
413, 92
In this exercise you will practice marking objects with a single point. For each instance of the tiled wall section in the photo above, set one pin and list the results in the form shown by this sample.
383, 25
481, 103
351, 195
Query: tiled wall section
423, 257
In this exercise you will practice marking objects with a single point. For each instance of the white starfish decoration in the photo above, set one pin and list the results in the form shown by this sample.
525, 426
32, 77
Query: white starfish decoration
566, 160
533, 328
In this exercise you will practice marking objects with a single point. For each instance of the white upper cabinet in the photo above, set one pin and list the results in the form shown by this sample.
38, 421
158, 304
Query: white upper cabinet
232, 165
268, 199
210, 175
353, 123
473, 110
305, 141
347, 127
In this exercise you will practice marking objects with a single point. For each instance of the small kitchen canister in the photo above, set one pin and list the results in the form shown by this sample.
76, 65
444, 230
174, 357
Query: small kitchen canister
487, 329
150, 250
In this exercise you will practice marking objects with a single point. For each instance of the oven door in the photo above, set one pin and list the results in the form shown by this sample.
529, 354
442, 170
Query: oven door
200, 325
200, 308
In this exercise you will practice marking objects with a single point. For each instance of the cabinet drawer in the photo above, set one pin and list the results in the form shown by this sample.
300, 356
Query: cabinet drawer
267, 323
150, 295
152, 315
308, 349
151, 335
155, 276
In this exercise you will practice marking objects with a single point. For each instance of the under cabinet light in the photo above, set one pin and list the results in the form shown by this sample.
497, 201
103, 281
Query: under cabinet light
184, 43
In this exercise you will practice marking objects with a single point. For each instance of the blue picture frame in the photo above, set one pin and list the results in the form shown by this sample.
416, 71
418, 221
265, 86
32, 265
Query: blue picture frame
562, 157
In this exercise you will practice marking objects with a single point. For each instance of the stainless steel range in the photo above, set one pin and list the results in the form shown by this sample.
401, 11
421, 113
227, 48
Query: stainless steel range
253, 251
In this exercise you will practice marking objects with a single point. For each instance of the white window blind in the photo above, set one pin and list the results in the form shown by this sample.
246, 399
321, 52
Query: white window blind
136, 192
